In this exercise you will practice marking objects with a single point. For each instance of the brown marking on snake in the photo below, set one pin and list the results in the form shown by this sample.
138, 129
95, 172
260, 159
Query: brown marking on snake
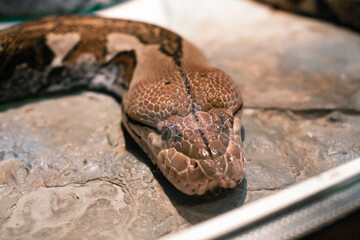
93, 45
183, 112
127, 60
37, 54
33, 52
61, 44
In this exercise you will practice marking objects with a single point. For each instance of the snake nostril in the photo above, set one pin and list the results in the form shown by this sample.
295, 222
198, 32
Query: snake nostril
217, 148
203, 152
196, 165
214, 152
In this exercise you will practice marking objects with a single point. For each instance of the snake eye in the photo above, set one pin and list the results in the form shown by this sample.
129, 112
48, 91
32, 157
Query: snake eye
229, 122
165, 133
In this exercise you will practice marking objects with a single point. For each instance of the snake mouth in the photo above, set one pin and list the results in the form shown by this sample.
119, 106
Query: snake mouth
198, 176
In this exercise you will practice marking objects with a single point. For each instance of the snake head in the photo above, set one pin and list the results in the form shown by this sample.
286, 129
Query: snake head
202, 152
191, 133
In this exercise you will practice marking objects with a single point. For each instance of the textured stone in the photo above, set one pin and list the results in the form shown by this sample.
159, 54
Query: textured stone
65, 172
62, 178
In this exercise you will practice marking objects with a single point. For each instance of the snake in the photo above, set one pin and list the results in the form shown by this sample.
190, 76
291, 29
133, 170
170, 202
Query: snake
183, 112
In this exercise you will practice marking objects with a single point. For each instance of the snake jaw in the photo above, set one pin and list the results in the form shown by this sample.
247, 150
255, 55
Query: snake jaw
195, 177
155, 141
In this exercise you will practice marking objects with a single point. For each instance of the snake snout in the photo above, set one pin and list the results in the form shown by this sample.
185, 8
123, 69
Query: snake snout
197, 176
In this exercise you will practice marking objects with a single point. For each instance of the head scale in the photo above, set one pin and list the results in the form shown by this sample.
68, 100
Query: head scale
195, 141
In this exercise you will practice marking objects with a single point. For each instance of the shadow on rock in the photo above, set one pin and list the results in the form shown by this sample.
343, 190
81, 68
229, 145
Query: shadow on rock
196, 209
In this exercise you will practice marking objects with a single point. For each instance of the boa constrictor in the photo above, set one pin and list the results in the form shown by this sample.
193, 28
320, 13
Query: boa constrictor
183, 112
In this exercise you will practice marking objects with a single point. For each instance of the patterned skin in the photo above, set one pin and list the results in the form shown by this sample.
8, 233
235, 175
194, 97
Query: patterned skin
183, 112
194, 138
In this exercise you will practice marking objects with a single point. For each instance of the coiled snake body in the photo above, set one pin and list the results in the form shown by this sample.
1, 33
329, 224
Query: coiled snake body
183, 112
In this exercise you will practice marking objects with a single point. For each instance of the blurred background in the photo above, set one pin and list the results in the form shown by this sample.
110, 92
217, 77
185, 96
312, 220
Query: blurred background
343, 12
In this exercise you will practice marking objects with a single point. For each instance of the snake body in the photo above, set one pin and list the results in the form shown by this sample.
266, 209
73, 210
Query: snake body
183, 112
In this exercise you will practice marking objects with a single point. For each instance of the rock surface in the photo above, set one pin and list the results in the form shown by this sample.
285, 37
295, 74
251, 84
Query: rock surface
69, 171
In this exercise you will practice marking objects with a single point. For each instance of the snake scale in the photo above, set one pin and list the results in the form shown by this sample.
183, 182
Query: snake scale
183, 112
